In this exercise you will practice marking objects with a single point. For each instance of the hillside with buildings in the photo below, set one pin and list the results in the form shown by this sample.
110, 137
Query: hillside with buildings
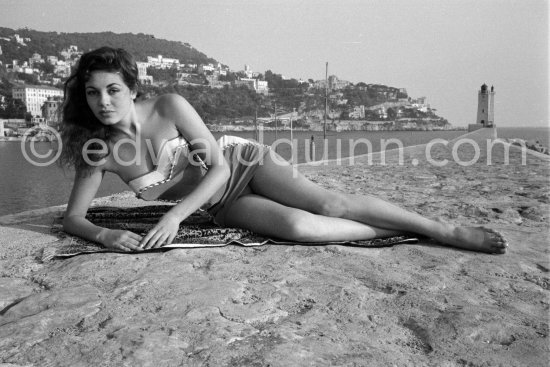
34, 65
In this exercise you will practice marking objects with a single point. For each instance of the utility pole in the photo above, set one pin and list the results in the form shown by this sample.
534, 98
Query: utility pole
291, 137
326, 102
291, 118
256, 134
275, 122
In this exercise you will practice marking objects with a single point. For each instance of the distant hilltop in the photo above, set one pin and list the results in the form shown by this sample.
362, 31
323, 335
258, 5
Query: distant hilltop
23, 43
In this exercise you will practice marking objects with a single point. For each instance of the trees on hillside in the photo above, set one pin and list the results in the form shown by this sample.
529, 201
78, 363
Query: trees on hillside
358, 96
13, 109
141, 45
168, 74
213, 104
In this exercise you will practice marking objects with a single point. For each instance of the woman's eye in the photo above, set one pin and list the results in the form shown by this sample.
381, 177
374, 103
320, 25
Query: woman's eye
113, 91
91, 93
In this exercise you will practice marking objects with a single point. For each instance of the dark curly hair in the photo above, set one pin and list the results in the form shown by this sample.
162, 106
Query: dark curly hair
78, 123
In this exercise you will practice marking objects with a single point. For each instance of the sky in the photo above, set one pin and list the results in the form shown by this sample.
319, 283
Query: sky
441, 49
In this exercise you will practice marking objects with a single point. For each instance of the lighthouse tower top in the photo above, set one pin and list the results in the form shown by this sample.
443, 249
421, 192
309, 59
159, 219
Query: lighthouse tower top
486, 106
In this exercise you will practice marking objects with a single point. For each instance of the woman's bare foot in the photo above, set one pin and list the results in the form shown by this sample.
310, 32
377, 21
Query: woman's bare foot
478, 239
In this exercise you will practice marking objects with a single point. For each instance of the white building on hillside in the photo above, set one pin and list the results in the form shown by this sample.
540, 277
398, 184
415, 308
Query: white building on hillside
358, 112
68, 52
35, 59
34, 96
259, 86
142, 73
52, 59
249, 73
203, 68
262, 87
162, 62
62, 69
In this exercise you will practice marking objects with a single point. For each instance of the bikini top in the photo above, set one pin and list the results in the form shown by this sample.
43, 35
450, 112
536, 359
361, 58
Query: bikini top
175, 166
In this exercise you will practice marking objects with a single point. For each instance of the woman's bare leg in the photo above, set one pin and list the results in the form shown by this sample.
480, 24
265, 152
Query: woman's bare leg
276, 180
267, 217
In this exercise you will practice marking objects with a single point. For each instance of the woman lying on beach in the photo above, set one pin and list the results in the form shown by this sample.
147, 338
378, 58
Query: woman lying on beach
162, 149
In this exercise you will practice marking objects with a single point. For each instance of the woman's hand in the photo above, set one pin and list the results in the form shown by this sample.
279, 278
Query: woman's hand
162, 234
120, 240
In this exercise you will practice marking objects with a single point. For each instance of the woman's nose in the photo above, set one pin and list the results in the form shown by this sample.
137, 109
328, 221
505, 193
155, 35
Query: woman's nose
104, 99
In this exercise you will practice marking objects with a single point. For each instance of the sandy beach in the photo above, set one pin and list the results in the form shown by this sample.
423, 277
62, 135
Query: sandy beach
407, 305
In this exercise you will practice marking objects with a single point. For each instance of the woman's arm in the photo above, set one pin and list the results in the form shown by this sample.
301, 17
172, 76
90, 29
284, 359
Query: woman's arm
176, 109
74, 222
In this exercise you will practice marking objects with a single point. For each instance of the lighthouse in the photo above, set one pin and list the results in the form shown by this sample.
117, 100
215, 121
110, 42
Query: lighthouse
486, 106
485, 109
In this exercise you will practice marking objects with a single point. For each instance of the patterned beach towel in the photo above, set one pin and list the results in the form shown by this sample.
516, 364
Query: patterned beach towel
197, 231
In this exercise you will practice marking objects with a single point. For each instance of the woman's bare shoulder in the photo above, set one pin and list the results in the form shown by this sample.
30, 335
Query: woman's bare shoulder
170, 105
162, 111
163, 106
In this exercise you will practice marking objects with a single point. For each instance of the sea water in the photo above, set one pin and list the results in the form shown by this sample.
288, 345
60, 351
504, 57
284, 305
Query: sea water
540, 134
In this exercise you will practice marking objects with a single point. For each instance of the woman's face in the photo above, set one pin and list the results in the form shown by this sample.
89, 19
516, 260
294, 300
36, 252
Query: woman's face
109, 97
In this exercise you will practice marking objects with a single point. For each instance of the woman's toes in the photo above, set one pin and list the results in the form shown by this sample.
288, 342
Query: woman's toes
497, 242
